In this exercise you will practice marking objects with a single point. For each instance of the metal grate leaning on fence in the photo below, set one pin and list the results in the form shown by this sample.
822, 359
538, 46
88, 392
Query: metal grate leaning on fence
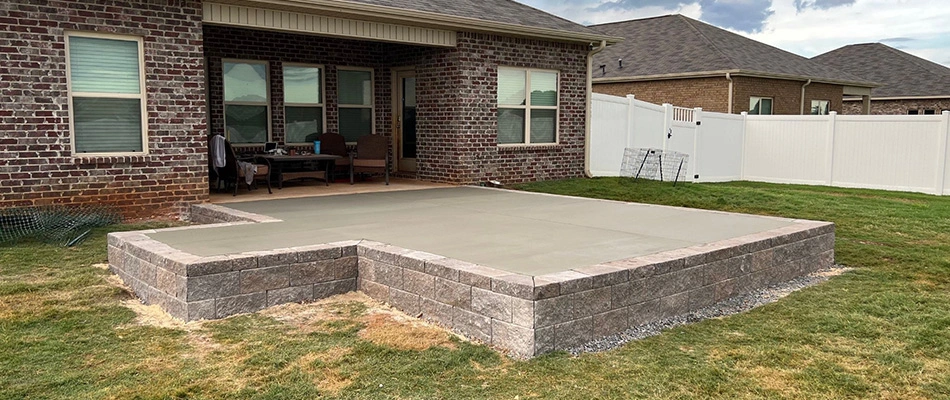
654, 164
62, 225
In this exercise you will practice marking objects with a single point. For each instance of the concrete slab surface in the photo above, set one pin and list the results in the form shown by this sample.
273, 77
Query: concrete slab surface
526, 233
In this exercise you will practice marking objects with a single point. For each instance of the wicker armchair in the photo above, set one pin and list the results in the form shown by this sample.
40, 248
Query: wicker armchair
334, 144
372, 156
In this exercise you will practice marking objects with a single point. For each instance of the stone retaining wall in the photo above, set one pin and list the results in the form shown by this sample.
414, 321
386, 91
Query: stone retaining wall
525, 315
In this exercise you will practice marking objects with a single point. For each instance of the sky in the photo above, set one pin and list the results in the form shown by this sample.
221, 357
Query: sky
804, 27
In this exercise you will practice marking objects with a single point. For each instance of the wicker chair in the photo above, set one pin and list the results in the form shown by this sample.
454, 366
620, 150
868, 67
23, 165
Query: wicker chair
334, 144
372, 156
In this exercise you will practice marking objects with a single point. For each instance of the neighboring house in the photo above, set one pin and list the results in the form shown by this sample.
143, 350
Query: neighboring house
677, 60
111, 102
910, 84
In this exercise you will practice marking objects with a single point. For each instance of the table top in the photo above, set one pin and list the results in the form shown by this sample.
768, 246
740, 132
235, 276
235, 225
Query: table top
299, 157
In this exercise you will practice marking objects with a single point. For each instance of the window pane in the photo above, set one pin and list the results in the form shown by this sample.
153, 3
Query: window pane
303, 124
302, 85
103, 65
766, 107
754, 105
543, 88
543, 126
246, 124
510, 126
356, 87
355, 122
107, 125
245, 82
511, 87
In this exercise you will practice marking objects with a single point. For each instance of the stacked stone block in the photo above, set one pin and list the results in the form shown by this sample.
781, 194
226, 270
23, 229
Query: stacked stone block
525, 315
190, 287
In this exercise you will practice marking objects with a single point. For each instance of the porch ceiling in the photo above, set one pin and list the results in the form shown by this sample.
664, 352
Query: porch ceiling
326, 24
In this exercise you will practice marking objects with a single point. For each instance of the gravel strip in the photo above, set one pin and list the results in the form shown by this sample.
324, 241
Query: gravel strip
727, 307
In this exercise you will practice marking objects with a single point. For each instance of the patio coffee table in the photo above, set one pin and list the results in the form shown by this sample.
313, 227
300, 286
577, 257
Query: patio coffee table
301, 166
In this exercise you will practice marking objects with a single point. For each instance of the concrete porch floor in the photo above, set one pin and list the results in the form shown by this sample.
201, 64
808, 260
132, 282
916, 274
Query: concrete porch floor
311, 188
526, 233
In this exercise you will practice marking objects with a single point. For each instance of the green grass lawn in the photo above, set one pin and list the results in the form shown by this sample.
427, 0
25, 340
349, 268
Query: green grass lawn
879, 331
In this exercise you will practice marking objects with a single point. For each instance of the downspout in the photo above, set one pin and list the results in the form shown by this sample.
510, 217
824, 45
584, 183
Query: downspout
803, 96
729, 78
590, 101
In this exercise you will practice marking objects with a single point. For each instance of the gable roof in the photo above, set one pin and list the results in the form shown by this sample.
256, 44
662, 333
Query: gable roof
492, 16
900, 73
676, 46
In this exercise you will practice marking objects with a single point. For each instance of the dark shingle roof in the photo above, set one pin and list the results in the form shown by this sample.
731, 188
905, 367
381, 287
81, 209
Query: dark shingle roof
675, 44
503, 11
900, 73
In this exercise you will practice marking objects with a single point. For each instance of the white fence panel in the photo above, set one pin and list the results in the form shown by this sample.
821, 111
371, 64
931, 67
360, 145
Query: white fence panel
610, 134
719, 145
888, 152
946, 154
648, 126
787, 149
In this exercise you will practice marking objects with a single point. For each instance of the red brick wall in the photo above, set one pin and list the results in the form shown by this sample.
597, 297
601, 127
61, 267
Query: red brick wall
712, 94
462, 107
897, 107
36, 166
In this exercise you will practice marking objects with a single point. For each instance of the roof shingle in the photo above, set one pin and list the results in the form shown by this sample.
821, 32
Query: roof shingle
900, 73
502, 11
675, 44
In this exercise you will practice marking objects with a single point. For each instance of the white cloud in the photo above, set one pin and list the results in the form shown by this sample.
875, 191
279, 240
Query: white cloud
805, 27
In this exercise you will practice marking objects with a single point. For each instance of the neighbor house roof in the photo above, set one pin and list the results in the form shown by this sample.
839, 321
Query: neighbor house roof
900, 73
675, 46
501, 16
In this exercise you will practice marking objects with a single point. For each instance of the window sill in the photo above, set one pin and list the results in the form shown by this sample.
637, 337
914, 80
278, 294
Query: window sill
530, 147
84, 159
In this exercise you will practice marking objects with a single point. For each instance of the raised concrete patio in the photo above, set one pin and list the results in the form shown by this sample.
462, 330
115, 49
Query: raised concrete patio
526, 272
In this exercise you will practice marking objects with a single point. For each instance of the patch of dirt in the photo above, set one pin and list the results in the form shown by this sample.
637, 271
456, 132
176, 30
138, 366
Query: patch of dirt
776, 380
381, 324
388, 329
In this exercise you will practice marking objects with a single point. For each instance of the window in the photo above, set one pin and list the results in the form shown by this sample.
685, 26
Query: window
819, 107
303, 103
355, 98
527, 106
760, 105
246, 102
930, 112
913, 112
106, 93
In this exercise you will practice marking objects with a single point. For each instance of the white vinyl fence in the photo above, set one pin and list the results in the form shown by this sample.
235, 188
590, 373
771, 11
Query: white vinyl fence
907, 153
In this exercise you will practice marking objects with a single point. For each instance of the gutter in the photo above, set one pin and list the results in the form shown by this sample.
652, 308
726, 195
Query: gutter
590, 101
802, 112
733, 72
729, 78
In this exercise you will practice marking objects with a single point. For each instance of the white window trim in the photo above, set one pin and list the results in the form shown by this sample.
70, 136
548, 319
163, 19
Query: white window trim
819, 105
141, 95
225, 103
323, 96
771, 101
528, 107
372, 106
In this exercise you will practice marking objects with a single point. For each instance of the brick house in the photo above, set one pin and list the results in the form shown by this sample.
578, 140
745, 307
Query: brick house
678, 60
909, 84
112, 101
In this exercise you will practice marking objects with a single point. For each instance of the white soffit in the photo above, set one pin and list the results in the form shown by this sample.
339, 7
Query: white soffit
291, 21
